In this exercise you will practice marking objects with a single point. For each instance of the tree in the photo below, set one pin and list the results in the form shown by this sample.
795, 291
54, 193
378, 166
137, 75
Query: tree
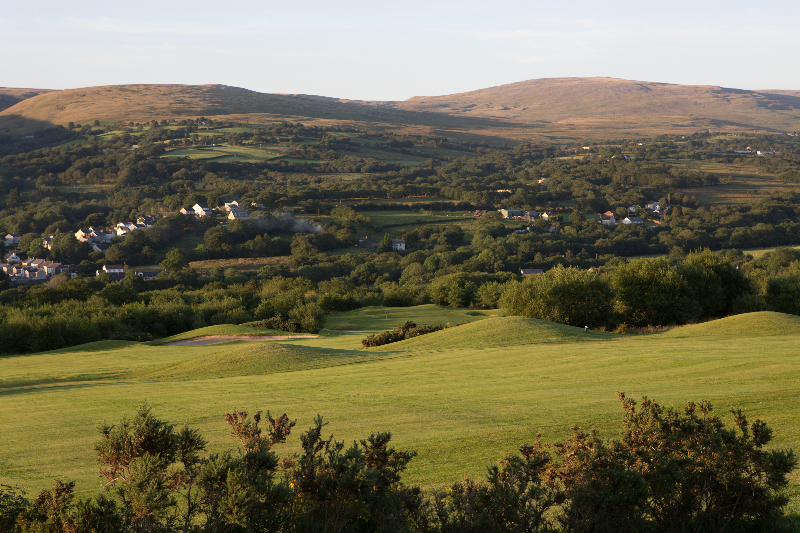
175, 260
651, 292
15, 198
565, 295
386, 244
147, 462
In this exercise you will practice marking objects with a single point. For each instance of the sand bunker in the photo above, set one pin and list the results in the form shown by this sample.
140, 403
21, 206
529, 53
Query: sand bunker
213, 339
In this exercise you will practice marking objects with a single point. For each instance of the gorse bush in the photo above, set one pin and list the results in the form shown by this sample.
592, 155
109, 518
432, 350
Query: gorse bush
400, 332
672, 470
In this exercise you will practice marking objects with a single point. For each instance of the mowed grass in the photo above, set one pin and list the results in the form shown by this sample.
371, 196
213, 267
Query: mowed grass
462, 398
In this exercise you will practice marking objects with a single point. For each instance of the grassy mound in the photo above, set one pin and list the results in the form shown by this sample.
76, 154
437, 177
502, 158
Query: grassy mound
221, 329
763, 323
497, 333
377, 318
249, 359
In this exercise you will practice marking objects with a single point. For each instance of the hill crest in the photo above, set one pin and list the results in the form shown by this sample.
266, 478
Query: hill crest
558, 107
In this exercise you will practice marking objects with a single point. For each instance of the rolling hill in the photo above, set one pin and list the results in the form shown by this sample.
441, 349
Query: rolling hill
10, 96
462, 397
560, 108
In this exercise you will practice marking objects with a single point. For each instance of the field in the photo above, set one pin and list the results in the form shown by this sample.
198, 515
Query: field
462, 397
223, 152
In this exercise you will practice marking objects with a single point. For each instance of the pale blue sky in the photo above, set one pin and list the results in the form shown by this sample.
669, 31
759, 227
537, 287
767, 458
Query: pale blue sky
392, 51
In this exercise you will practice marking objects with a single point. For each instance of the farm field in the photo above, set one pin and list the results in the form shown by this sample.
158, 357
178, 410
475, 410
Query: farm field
462, 397
225, 153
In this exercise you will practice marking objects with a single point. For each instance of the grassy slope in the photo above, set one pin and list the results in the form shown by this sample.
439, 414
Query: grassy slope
10, 96
462, 400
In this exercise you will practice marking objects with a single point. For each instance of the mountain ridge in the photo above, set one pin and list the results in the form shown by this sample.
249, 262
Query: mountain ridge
558, 107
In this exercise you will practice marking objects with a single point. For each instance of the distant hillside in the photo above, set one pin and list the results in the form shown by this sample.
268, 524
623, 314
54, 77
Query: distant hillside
621, 103
10, 96
122, 103
559, 108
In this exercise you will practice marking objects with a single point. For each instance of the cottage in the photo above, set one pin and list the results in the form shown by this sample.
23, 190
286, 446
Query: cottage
146, 221
187, 211
12, 257
547, 215
606, 220
238, 215
231, 206
398, 245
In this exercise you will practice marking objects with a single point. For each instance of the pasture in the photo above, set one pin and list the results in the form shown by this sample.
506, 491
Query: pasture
462, 397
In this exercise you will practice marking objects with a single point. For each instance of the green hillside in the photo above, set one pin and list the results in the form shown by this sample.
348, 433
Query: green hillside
765, 323
499, 332
462, 398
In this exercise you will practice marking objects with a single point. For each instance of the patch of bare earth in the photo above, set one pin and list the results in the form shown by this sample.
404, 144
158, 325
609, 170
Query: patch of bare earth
214, 339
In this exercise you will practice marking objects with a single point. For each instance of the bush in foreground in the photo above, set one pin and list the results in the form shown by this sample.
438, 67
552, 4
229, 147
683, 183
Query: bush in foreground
672, 470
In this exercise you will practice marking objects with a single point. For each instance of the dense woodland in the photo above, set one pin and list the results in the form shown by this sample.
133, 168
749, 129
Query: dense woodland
315, 201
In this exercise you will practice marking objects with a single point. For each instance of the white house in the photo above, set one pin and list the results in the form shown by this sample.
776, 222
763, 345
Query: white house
632, 220
398, 245
237, 215
202, 210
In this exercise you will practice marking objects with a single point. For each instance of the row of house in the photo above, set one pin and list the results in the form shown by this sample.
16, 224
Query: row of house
519, 214
202, 210
23, 271
99, 238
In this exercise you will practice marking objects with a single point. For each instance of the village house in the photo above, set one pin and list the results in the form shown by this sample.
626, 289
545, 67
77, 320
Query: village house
547, 215
231, 206
117, 272
12, 257
606, 220
201, 210
398, 245
187, 211
632, 220
11, 240
238, 215
148, 275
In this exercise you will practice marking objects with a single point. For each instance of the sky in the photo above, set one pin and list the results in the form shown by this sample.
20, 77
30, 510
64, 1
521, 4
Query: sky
378, 50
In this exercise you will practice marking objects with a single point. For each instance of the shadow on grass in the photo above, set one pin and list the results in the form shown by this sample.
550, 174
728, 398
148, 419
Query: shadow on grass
60, 384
